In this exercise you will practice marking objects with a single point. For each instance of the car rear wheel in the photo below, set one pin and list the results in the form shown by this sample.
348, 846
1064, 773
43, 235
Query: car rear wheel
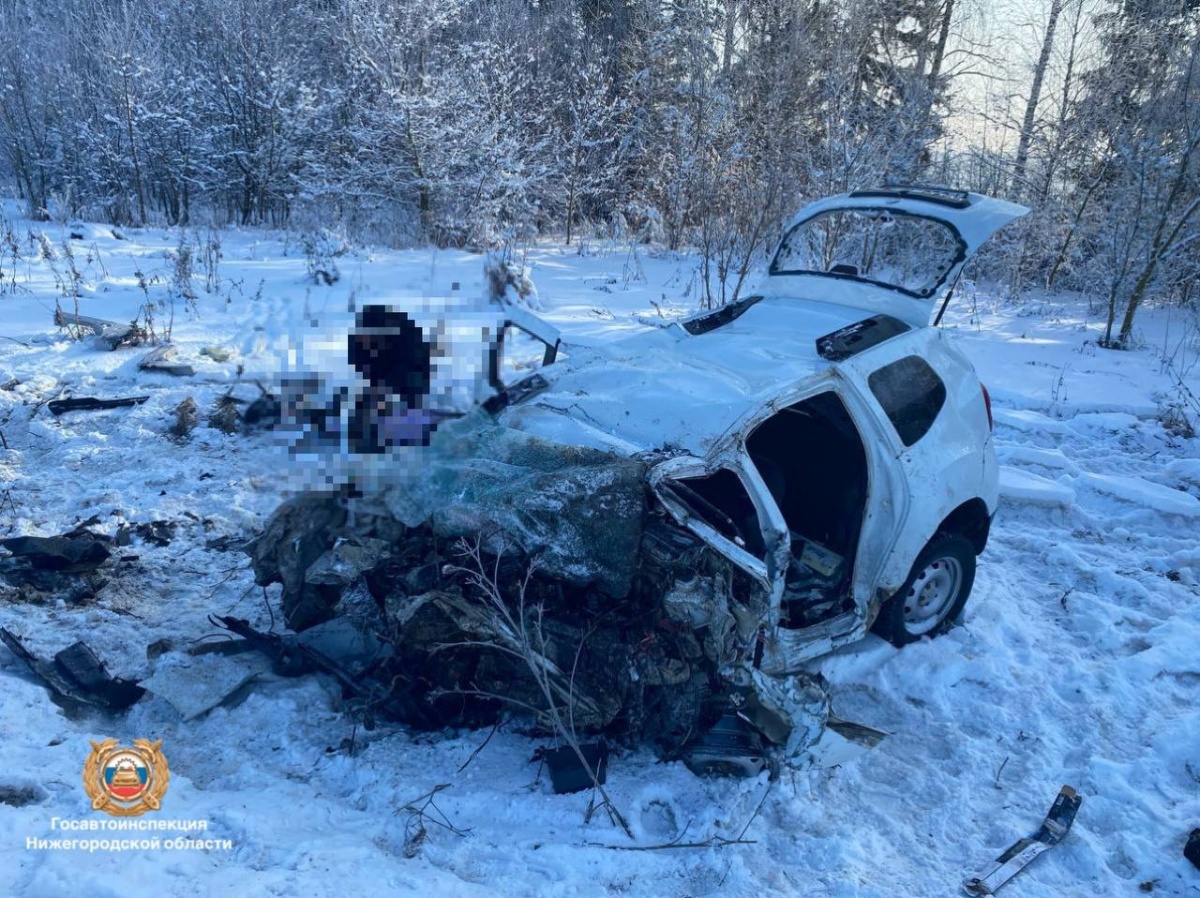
934, 594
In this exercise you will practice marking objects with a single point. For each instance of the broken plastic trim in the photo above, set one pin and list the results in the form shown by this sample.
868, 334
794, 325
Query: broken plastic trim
862, 335
719, 318
518, 392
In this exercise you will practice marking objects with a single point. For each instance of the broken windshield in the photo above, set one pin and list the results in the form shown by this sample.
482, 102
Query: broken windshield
893, 249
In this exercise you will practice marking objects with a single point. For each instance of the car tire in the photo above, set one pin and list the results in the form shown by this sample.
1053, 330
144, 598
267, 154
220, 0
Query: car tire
934, 594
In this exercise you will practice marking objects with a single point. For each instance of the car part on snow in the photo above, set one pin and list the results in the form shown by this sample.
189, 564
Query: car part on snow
296, 535
843, 741
1191, 850
569, 774
264, 412
74, 552
731, 747
194, 685
77, 675
109, 334
934, 595
90, 403
1018, 855
290, 657
161, 360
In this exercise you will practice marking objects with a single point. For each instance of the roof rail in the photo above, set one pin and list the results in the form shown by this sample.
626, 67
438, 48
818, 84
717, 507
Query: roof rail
852, 339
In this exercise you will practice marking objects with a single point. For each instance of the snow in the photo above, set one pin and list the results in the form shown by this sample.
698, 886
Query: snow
1025, 486
1141, 492
1075, 663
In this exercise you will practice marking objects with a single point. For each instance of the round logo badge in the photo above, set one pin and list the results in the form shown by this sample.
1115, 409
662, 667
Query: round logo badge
126, 781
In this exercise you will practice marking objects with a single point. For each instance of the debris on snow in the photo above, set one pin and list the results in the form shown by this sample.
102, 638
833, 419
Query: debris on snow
90, 403
77, 675
72, 552
568, 772
186, 418
161, 360
109, 334
1017, 856
196, 685
216, 353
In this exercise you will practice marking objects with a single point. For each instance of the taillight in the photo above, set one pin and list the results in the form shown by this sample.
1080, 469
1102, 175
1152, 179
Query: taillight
987, 404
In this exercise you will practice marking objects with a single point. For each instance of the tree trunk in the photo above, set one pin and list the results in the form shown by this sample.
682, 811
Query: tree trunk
1035, 92
1162, 246
939, 51
570, 209
133, 156
1066, 245
730, 22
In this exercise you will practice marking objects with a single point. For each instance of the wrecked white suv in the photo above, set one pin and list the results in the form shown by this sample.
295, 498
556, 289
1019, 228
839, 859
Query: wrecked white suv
820, 434
659, 532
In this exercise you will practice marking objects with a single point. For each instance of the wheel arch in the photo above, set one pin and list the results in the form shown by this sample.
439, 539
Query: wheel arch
971, 521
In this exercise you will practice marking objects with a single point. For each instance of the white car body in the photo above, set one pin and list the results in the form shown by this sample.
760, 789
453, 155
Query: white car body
691, 396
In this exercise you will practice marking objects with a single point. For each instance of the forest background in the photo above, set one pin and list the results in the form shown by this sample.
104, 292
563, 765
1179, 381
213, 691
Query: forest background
677, 123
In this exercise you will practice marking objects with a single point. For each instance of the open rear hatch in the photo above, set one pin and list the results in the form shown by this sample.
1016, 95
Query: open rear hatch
891, 250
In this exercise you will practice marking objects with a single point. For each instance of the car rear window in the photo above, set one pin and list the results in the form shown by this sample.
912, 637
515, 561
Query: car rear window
911, 394
909, 253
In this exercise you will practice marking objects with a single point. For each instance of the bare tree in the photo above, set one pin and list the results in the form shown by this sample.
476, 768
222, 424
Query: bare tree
1035, 92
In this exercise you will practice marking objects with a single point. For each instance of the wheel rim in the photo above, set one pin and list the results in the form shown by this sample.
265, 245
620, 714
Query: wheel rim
932, 594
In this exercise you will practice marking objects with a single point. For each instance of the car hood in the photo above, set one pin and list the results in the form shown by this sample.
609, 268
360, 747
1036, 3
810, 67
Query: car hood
671, 390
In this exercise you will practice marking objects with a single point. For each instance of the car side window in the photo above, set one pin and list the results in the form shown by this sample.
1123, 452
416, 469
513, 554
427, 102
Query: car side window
911, 394
721, 501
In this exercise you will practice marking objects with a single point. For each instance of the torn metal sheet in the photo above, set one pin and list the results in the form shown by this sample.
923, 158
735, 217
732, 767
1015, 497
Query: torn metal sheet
842, 741
195, 685
577, 511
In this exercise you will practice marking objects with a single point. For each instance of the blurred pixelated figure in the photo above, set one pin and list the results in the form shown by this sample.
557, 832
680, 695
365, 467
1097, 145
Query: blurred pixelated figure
391, 353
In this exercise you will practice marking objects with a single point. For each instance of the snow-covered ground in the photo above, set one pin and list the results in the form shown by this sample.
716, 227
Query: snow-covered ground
1077, 661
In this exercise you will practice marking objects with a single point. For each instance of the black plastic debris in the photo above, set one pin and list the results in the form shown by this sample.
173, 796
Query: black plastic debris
91, 403
1192, 849
156, 533
69, 553
567, 773
77, 675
